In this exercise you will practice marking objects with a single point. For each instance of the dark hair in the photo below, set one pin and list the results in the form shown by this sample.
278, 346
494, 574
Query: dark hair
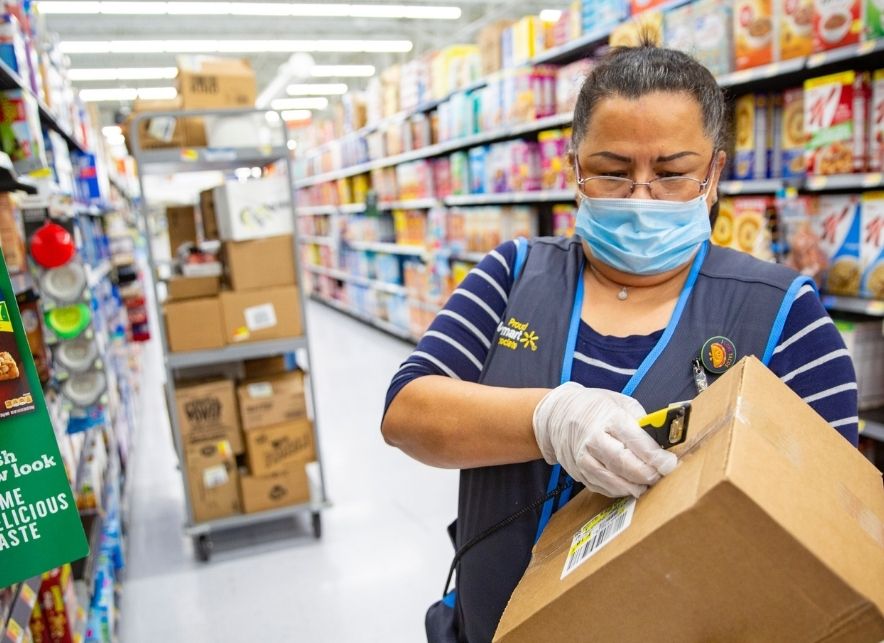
633, 72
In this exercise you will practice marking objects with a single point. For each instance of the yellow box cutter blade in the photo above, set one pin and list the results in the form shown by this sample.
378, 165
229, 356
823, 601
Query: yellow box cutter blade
668, 426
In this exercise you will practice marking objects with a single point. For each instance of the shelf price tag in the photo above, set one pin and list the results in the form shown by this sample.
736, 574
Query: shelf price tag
817, 182
14, 632
190, 155
872, 180
816, 60
866, 47
40, 526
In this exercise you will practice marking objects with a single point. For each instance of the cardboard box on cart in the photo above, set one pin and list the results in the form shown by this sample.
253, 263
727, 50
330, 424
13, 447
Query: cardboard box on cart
257, 315
214, 480
272, 400
263, 493
771, 528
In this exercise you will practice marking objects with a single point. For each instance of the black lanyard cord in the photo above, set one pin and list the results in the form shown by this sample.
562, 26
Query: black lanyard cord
500, 525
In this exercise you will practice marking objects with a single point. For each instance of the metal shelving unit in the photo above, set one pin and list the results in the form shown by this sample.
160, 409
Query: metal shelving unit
180, 160
380, 324
19, 619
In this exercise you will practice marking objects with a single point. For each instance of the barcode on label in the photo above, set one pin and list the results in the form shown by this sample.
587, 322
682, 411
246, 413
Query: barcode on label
598, 532
260, 317
215, 476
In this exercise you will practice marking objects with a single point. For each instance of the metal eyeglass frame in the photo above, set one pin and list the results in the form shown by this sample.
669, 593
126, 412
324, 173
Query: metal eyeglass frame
702, 185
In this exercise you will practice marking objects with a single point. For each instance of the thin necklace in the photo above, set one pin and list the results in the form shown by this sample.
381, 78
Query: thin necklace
623, 295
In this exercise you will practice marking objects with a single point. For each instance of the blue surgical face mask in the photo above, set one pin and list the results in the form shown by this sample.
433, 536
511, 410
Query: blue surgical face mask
643, 236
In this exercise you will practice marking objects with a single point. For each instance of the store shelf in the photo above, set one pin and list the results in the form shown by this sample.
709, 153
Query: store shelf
245, 520
871, 180
198, 159
21, 282
380, 324
19, 618
11, 80
316, 240
472, 257
763, 72
413, 204
539, 196
512, 131
248, 350
764, 186
341, 275
871, 429
850, 53
389, 248
9, 181
841, 304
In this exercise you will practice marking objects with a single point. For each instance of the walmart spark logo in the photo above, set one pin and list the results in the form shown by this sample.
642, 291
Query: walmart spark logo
515, 333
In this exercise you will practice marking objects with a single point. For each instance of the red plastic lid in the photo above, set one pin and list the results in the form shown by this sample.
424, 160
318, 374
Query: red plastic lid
52, 246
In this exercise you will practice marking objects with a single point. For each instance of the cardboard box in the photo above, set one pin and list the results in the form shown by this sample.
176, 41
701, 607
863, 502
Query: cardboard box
194, 324
214, 480
796, 28
838, 225
274, 449
791, 132
263, 493
832, 123
770, 529
58, 602
192, 287
208, 215
181, 223
876, 122
257, 315
260, 263
254, 209
267, 366
713, 19
206, 82
207, 410
872, 247
272, 400
754, 33
836, 23
164, 131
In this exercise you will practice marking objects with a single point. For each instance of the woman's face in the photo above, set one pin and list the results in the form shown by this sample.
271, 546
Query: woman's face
660, 134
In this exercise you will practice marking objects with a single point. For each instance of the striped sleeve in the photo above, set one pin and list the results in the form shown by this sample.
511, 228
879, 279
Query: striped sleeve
812, 359
458, 340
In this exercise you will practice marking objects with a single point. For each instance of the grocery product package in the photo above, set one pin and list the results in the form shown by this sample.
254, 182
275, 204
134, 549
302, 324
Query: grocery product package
213, 479
714, 19
795, 19
836, 23
207, 410
872, 245
834, 124
837, 222
770, 528
754, 33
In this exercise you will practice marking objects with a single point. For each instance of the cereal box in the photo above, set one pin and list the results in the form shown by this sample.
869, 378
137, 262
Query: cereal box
713, 19
872, 245
829, 123
647, 26
836, 23
796, 28
750, 233
837, 223
874, 19
753, 33
643, 5
602, 15
569, 81
751, 145
678, 28
564, 219
792, 137
876, 123
553, 152
723, 231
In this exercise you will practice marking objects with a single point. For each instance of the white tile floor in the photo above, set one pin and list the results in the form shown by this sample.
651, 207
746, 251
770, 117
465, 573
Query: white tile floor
384, 553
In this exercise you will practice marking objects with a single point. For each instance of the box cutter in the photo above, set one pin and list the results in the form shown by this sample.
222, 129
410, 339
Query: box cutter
668, 426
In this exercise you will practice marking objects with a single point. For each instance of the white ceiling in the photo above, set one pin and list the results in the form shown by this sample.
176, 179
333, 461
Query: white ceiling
425, 34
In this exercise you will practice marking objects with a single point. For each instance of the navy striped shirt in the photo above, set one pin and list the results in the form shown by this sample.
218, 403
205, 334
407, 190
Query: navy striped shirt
810, 356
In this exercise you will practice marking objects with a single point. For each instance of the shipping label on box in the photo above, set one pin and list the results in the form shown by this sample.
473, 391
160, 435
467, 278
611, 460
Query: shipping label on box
213, 479
207, 411
829, 123
273, 400
837, 223
273, 449
872, 245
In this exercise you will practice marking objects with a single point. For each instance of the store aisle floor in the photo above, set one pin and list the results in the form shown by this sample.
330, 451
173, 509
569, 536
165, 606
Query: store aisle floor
384, 553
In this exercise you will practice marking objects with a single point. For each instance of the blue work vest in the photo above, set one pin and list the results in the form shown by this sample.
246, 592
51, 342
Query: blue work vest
727, 293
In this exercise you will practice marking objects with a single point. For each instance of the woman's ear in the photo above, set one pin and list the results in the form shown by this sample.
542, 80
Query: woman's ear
714, 179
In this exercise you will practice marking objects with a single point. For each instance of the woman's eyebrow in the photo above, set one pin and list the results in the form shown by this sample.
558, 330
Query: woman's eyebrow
612, 156
660, 159
673, 157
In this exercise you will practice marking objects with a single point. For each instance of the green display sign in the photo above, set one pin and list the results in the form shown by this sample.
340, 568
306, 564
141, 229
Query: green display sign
40, 526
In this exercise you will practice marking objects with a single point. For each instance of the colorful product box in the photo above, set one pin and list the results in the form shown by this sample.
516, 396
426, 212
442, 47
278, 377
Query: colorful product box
837, 223
603, 15
874, 19
753, 33
872, 245
638, 6
791, 134
569, 81
478, 174
20, 131
876, 123
647, 26
749, 225
714, 19
460, 173
835, 140
836, 23
751, 145
796, 28
553, 157
564, 219
499, 168
525, 173
678, 28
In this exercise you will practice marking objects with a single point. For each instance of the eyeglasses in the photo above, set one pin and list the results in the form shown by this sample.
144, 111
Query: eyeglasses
664, 188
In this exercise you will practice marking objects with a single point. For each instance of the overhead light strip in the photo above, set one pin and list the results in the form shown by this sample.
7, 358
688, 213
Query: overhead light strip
342, 71
126, 94
262, 9
123, 73
233, 46
284, 104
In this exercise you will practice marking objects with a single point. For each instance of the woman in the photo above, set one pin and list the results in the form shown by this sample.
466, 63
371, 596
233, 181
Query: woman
548, 352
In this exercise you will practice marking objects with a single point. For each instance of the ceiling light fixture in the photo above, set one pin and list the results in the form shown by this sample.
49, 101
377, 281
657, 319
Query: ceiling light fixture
342, 71
126, 94
316, 89
232, 46
266, 9
285, 104
123, 73
297, 115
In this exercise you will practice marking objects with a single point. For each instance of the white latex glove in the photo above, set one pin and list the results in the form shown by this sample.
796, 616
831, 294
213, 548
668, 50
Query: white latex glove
594, 434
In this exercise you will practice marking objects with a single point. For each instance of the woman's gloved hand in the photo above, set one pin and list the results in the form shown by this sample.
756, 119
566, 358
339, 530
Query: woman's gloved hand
594, 434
